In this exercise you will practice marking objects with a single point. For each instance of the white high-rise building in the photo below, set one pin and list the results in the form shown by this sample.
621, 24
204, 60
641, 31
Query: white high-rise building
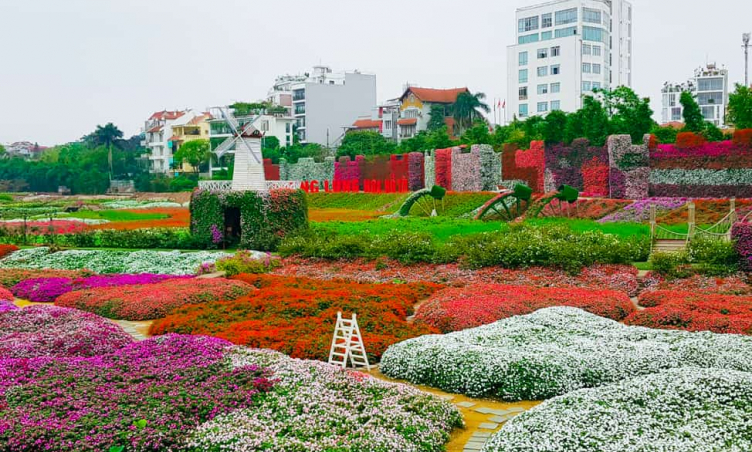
710, 88
564, 50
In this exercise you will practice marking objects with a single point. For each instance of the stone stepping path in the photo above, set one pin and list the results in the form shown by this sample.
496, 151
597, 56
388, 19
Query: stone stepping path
136, 329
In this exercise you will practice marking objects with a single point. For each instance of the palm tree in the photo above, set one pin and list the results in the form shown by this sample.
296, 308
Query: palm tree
106, 135
469, 107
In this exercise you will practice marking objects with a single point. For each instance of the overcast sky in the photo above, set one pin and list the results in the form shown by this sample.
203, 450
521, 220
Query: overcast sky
68, 65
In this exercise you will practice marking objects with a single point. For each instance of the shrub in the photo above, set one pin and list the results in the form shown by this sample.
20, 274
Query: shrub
743, 138
149, 395
245, 262
716, 257
152, 301
671, 265
50, 331
689, 140
555, 351
479, 304
297, 315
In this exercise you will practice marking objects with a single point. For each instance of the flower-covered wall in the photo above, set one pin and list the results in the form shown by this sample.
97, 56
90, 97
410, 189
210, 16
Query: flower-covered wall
628, 167
307, 170
568, 165
466, 170
742, 235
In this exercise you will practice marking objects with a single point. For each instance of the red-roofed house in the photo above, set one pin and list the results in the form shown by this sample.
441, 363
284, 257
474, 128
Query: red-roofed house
158, 138
415, 109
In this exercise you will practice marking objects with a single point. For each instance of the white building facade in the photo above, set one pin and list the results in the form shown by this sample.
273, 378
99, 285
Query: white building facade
157, 134
325, 104
709, 86
565, 49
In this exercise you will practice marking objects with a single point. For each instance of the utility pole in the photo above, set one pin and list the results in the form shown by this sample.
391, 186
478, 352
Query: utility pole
745, 46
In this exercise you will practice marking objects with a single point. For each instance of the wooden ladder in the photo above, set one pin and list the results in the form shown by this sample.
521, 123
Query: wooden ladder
347, 344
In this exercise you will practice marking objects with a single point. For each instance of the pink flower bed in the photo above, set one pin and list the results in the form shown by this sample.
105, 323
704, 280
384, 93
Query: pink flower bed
50, 331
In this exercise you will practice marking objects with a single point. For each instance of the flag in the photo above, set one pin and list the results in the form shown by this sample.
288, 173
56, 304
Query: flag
505, 104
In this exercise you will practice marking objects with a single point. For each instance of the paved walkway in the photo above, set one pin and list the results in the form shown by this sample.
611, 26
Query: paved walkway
139, 330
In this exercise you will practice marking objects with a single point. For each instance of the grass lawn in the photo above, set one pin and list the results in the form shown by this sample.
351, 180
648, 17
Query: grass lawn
440, 228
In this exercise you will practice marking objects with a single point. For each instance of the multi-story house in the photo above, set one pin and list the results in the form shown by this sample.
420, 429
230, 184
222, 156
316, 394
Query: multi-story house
709, 86
383, 120
566, 49
415, 109
157, 134
186, 128
325, 104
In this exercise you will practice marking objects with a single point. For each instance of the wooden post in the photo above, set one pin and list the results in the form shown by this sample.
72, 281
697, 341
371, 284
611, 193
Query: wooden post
691, 222
652, 221
732, 214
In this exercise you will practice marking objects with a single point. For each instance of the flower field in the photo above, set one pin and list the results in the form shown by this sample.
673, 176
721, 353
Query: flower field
297, 315
555, 351
151, 301
48, 289
691, 409
101, 261
9, 277
469, 307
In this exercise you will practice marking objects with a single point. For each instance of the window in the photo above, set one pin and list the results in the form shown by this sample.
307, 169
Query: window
555, 105
710, 98
564, 32
542, 107
592, 16
676, 114
555, 51
587, 49
596, 85
523, 111
523, 58
527, 24
543, 53
672, 100
523, 93
555, 87
388, 125
555, 69
527, 39
523, 76
543, 89
708, 112
593, 34
567, 16
410, 113
287, 127
542, 71
586, 68
547, 21
586, 86
596, 50
596, 68
547, 36
710, 84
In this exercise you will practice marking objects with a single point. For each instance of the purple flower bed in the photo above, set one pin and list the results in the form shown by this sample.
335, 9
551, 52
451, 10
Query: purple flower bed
639, 211
146, 396
713, 150
742, 233
701, 191
51, 331
7, 305
48, 289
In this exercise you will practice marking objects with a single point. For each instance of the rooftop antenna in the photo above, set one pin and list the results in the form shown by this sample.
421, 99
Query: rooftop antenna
745, 46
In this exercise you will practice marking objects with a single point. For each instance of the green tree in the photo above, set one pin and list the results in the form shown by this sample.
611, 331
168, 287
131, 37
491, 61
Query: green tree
477, 134
628, 113
664, 135
365, 142
107, 135
554, 130
693, 119
437, 115
311, 150
418, 143
3, 152
740, 107
591, 122
270, 148
439, 139
194, 152
468, 108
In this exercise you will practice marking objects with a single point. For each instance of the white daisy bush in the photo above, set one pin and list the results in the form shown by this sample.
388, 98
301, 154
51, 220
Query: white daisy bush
315, 406
554, 351
679, 410
105, 261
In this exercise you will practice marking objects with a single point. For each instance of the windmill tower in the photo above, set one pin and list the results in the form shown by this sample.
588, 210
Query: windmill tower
245, 142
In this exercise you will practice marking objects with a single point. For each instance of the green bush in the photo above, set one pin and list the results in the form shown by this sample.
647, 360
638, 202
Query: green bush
243, 262
714, 257
671, 265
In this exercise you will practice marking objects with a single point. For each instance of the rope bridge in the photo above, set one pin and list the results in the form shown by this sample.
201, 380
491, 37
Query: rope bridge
664, 239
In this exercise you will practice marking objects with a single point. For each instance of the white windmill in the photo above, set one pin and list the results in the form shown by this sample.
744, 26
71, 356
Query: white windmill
245, 141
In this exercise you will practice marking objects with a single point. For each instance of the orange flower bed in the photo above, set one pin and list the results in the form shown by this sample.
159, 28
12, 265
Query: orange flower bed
297, 315
707, 211
325, 215
7, 249
179, 217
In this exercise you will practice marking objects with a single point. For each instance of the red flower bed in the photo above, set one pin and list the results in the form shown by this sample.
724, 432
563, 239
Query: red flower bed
689, 140
152, 301
695, 311
731, 285
178, 217
444, 168
7, 249
5, 294
621, 278
297, 315
458, 309
595, 177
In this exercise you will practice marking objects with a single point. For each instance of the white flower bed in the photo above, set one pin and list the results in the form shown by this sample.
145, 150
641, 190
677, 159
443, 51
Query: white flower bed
680, 410
318, 407
92, 221
554, 351
126, 204
103, 261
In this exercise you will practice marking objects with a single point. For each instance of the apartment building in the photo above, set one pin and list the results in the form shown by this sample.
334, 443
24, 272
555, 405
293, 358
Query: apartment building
565, 49
709, 86
157, 139
325, 103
